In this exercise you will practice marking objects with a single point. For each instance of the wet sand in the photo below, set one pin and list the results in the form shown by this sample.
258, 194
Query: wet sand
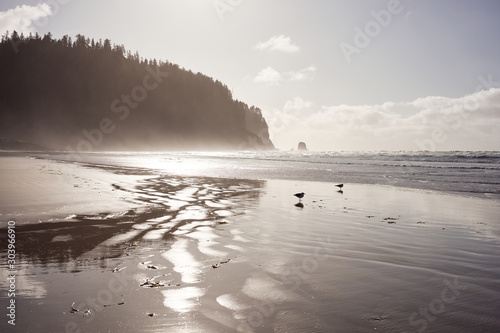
195, 254
41, 190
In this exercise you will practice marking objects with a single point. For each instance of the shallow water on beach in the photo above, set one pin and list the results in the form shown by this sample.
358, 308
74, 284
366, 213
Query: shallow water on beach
466, 173
229, 255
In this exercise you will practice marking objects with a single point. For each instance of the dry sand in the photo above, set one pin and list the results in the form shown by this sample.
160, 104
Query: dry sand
215, 255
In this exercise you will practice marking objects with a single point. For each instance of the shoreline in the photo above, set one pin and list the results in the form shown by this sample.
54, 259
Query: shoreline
234, 255
476, 182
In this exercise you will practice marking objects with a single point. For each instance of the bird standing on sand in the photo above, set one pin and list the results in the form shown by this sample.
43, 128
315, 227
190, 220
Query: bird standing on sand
299, 195
340, 185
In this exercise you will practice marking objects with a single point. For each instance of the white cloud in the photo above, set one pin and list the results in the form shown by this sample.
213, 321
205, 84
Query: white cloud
302, 74
297, 105
471, 122
278, 43
269, 76
23, 18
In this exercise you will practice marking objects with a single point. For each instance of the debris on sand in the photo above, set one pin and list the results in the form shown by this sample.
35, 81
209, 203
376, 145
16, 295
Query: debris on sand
106, 305
390, 220
221, 263
152, 284
73, 309
116, 269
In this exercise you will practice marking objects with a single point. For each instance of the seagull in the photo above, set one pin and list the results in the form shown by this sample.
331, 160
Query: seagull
299, 195
340, 186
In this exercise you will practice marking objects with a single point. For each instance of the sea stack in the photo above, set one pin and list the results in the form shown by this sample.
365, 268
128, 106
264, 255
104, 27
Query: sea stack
302, 146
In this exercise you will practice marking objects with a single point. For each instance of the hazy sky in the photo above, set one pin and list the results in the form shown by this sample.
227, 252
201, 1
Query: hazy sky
337, 74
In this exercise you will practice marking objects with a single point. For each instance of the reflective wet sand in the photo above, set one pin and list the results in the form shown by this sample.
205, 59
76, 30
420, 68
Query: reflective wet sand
216, 255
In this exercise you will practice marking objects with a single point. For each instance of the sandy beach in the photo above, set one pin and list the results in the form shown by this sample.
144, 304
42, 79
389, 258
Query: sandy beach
41, 190
128, 250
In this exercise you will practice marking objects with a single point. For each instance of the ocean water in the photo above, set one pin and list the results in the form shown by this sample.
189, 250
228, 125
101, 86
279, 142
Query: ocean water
467, 173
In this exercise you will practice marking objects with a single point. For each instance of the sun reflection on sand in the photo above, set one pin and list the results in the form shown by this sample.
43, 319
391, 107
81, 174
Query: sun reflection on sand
183, 299
184, 262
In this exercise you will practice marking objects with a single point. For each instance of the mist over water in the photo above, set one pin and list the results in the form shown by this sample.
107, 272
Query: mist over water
467, 173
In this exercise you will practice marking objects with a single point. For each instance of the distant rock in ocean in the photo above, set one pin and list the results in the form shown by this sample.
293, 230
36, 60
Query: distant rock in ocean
302, 146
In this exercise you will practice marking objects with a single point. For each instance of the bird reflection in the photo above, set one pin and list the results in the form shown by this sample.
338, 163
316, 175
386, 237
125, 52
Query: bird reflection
299, 205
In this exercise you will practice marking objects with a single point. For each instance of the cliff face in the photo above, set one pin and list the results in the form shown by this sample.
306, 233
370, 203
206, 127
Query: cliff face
86, 96
256, 125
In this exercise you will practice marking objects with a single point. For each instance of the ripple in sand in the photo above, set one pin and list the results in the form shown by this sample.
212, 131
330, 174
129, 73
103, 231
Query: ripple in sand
223, 213
182, 198
192, 225
235, 247
230, 302
117, 239
237, 236
161, 219
205, 237
186, 194
214, 204
183, 299
143, 226
192, 213
184, 262
173, 204
264, 288
158, 233
146, 196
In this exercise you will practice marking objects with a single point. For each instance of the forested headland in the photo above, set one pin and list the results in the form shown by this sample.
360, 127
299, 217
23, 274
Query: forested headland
89, 95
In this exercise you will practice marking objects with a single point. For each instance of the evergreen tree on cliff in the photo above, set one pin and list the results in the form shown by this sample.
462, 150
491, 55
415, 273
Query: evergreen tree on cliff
92, 95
